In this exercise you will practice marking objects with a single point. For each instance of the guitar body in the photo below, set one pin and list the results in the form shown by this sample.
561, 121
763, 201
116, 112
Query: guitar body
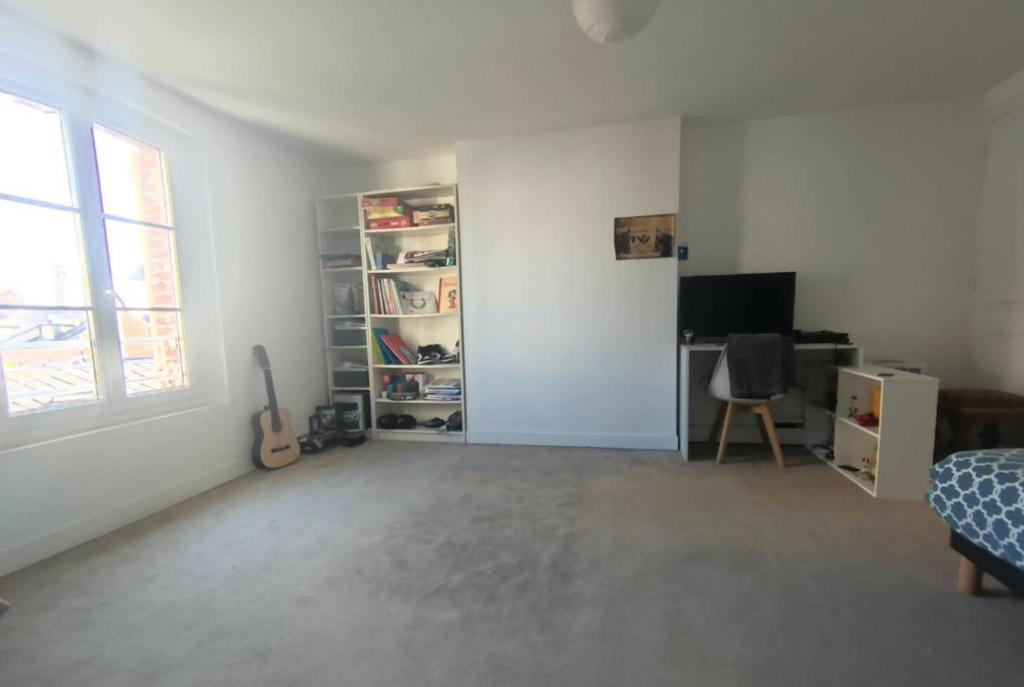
275, 444
272, 450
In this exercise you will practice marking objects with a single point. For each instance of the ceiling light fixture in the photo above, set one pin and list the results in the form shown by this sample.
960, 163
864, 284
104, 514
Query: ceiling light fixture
610, 21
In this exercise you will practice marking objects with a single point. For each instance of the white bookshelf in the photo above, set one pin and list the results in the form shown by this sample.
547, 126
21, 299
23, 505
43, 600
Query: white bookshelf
341, 228
890, 460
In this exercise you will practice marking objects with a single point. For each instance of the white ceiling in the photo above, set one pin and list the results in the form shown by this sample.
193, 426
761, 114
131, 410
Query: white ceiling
388, 79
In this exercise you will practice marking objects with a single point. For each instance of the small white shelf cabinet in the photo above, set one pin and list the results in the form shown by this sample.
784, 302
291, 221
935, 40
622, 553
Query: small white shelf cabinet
341, 228
890, 460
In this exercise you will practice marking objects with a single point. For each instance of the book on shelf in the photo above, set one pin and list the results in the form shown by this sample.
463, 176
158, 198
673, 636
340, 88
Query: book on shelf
434, 257
407, 266
375, 352
382, 350
370, 258
399, 348
447, 294
389, 297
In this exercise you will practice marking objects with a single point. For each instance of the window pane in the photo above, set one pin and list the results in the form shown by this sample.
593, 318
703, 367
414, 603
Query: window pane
33, 161
142, 265
132, 182
47, 358
151, 351
41, 260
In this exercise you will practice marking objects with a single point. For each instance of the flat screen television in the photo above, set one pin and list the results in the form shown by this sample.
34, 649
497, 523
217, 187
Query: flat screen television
715, 306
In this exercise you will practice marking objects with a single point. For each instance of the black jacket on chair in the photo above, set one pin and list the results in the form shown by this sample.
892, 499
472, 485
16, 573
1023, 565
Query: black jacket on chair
760, 365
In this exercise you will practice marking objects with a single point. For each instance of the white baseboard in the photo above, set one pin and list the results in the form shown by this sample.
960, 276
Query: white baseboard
668, 442
26, 553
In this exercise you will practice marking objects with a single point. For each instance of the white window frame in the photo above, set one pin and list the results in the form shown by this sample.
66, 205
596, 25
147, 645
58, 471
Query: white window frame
198, 295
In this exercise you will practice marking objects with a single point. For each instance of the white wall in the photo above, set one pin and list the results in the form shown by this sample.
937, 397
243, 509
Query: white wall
346, 177
998, 328
564, 344
58, 494
876, 211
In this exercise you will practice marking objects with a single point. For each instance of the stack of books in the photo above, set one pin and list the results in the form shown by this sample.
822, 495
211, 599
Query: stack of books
396, 297
420, 258
443, 390
387, 295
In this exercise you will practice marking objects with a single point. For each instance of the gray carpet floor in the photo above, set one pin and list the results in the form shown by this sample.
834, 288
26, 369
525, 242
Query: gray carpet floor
415, 564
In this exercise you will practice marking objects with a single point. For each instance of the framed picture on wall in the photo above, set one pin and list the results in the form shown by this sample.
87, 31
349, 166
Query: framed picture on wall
645, 236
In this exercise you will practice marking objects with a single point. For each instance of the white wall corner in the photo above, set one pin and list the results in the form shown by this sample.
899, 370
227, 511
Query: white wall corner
1006, 96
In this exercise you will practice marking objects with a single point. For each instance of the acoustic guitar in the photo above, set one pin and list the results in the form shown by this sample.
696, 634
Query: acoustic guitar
276, 445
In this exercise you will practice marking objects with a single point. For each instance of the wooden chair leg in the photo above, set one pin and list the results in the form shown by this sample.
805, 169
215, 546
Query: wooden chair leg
716, 426
769, 428
726, 422
968, 580
761, 428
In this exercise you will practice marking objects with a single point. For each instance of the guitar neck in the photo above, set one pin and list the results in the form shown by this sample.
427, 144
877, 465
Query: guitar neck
275, 414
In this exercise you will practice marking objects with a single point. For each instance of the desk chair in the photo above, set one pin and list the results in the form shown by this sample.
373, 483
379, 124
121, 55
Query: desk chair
720, 388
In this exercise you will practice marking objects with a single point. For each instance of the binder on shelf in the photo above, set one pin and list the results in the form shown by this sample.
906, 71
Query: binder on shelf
385, 352
400, 349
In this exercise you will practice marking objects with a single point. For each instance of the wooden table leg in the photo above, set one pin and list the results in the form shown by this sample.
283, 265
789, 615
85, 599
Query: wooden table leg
968, 580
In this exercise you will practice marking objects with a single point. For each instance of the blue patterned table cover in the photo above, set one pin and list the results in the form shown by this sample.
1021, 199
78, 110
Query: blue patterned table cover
980, 494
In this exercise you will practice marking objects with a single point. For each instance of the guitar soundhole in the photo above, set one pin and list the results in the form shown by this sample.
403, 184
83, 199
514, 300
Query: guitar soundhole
278, 449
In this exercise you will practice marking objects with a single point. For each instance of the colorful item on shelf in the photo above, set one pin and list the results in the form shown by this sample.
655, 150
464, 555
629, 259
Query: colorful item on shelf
434, 214
867, 420
428, 258
389, 223
401, 387
447, 294
388, 212
385, 202
387, 295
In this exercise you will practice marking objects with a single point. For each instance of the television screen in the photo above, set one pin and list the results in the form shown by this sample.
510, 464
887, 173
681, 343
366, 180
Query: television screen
719, 305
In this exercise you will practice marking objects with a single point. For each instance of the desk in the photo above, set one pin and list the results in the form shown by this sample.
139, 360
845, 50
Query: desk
800, 417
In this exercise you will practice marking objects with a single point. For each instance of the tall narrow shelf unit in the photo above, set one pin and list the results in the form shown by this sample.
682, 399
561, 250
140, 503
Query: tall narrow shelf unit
343, 228
343, 297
